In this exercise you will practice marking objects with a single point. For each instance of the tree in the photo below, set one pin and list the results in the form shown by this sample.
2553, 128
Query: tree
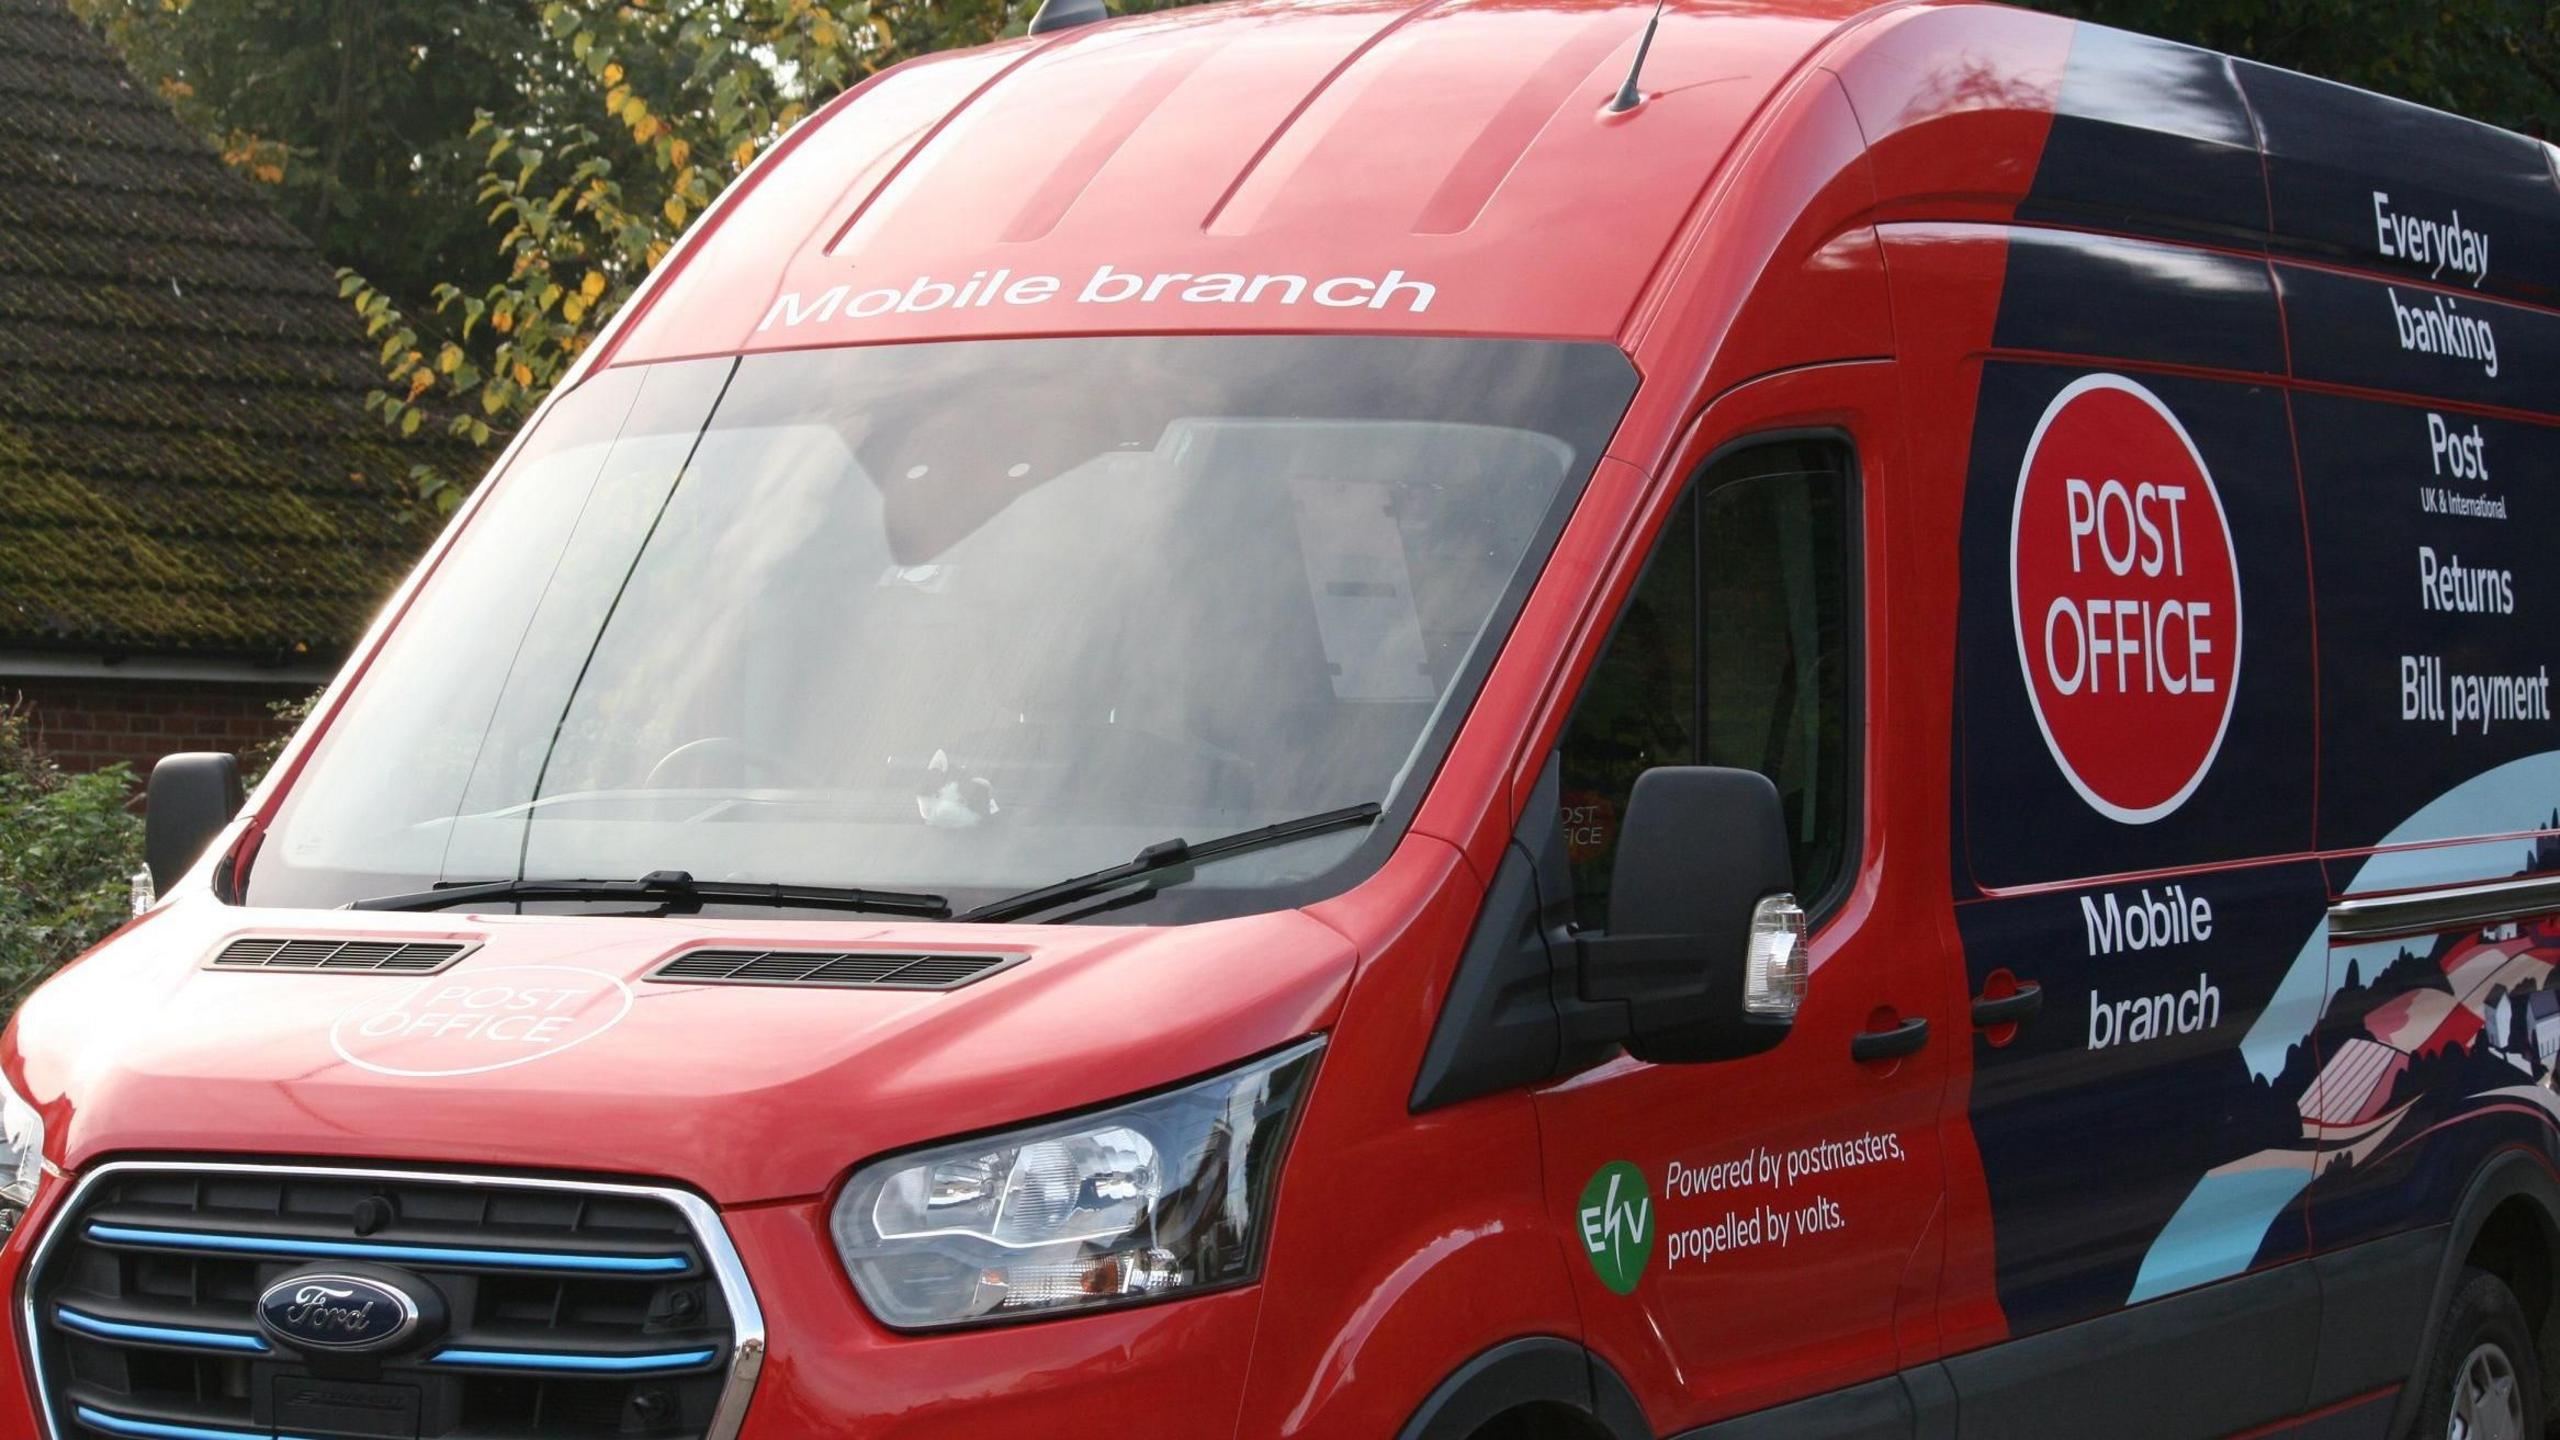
644, 113
357, 113
2493, 60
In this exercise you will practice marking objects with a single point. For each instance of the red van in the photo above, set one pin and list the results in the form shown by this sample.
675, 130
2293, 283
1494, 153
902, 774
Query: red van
1355, 720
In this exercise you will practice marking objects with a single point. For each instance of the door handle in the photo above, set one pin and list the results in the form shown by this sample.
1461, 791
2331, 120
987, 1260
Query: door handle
1903, 1039
2008, 1009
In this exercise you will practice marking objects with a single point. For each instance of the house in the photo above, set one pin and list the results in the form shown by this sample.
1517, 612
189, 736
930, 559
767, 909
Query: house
198, 516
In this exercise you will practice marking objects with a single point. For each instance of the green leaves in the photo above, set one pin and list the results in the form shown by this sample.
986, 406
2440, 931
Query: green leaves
69, 846
2493, 60
631, 121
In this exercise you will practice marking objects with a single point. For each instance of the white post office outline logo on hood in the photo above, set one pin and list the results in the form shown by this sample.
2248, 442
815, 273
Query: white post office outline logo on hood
473, 1021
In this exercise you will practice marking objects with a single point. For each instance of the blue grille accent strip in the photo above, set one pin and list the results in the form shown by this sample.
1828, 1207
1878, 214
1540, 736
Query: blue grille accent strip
580, 1364
416, 1254
162, 1334
153, 1430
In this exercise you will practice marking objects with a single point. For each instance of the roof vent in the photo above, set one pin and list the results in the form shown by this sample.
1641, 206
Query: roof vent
833, 969
1055, 15
370, 957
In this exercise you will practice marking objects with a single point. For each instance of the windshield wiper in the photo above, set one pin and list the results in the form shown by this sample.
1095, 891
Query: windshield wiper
670, 889
1170, 855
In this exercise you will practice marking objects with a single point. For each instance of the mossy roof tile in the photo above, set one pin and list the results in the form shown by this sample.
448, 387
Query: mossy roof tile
186, 462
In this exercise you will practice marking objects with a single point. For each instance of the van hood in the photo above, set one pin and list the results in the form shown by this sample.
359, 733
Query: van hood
552, 1043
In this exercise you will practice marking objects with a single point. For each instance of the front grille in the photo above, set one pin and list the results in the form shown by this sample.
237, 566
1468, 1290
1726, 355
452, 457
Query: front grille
844, 969
377, 957
567, 1310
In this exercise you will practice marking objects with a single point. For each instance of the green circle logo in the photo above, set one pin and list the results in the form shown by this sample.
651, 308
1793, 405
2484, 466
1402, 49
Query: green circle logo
1617, 1225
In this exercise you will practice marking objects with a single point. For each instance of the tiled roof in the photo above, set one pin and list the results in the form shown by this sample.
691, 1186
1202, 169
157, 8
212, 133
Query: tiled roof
186, 464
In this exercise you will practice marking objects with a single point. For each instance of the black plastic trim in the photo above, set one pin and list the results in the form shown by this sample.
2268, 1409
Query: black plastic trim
2212, 1361
2368, 1329
274, 954
1876, 1410
1537, 1370
1875, 1046
1499, 1026
794, 967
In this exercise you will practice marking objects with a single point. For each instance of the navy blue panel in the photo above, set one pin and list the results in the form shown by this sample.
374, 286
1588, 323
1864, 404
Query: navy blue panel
2437, 616
2150, 137
2385, 184
2410, 339
2023, 822
2107, 1116
2077, 294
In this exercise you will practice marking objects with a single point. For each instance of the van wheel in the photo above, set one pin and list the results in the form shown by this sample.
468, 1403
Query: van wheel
2483, 1382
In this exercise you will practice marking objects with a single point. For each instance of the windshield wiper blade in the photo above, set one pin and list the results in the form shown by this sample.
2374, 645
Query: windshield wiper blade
1170, 855
673, 889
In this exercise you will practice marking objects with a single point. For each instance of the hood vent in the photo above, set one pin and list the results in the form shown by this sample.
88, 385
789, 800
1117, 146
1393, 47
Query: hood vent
836, 969
370, 957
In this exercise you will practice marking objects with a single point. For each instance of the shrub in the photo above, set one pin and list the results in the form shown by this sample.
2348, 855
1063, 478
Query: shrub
69, 845
290, 714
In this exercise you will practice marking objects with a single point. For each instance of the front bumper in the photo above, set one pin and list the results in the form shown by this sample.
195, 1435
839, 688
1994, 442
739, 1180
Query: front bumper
821, 1366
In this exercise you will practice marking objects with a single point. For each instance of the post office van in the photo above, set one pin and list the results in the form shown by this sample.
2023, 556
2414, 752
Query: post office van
1462, 720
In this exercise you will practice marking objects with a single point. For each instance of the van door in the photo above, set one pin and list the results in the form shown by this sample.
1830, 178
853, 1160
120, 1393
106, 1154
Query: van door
2132, 785
1749, 1232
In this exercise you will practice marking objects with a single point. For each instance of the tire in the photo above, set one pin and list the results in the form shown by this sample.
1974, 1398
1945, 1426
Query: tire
2484, 1379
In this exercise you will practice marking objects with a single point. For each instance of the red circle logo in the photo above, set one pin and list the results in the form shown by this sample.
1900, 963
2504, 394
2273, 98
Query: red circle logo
2125, 592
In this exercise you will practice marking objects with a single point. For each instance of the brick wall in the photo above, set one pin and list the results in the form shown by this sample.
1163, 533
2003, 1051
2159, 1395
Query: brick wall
88, 724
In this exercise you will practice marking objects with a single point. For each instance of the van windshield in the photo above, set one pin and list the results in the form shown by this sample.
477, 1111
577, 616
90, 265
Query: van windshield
958, 618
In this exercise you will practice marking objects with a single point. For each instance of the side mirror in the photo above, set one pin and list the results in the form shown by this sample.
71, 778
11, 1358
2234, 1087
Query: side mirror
1705, 945
192, 797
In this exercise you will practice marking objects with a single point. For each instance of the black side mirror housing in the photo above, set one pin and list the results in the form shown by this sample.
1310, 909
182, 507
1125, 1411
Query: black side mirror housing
192, 797
1698, 849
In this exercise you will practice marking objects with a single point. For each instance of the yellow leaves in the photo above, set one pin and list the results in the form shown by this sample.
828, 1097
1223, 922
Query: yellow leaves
421, 380
522, 372
745, 152
678, 152
502, 321
613, 73
173, 89
259, 158
648, 127
593, 285
449, 359
674, 210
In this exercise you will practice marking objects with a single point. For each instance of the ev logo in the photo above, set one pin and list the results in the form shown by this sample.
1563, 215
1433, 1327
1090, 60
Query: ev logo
2124, 588
1617, 1225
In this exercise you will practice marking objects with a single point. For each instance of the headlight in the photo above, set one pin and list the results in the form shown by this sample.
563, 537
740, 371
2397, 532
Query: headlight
21, 1156
1155, 1197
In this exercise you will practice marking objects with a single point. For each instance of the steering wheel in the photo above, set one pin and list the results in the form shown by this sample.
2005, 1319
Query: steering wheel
1119, 755
713, 762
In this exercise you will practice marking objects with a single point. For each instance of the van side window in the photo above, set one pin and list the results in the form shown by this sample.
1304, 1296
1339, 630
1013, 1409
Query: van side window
1734, 649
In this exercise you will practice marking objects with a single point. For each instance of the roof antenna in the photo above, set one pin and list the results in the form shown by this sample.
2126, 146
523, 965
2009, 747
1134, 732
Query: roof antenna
1629, 97
1056, 15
